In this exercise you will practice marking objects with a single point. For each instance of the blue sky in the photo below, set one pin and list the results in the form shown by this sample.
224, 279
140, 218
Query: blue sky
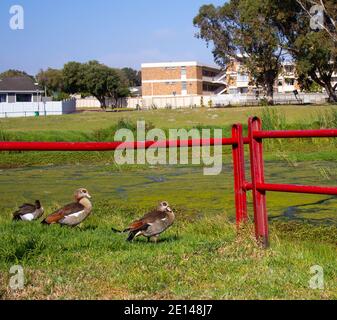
118, 33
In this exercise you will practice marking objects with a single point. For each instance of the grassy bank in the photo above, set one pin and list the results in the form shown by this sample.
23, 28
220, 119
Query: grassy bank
88, 122
199, 258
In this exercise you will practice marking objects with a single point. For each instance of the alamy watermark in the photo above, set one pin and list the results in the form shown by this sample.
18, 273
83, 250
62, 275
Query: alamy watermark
198, 153
317, 20
17, 21
317, 281
17, 279
16, 17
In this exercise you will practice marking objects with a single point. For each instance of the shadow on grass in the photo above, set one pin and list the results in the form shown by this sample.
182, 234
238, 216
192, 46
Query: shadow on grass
168, 239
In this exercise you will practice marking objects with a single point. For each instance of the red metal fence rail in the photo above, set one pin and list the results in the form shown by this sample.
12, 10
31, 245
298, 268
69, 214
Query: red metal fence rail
255, 138
258, 185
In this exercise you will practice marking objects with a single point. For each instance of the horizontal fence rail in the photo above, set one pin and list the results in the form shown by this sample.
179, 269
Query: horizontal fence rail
292, 134
289, 188
111, 146
255, 138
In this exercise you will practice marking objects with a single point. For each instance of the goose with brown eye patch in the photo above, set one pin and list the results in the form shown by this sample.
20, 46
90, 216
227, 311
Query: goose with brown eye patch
74, 213
153, 224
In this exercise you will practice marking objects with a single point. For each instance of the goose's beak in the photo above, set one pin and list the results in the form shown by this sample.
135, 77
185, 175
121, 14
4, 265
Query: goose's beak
88, 196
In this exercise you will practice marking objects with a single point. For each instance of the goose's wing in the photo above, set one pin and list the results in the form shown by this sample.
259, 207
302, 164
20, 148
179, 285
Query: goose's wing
147, 220
25, 209
63, 212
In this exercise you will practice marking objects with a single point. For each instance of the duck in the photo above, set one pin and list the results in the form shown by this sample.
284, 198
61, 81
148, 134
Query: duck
153, 224
29, 212
74, 213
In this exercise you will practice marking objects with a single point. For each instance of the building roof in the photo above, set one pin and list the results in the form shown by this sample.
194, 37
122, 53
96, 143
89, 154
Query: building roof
18, 84
178, 64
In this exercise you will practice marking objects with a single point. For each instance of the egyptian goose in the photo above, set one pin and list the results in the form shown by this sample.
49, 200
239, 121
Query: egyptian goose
152, 224
72, 214
29, 212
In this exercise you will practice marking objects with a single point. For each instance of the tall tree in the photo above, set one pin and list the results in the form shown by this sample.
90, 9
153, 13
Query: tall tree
134, 77
119, 87
242, 29
313, 49
95, 79
73, 77
52, 80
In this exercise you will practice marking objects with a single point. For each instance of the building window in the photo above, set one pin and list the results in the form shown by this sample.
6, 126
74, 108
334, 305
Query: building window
183, 71
23, 98
290, 82
184, 85
209, 73
3, 97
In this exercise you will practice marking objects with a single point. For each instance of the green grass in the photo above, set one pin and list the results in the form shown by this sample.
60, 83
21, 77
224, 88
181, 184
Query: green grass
87, 122
201, 256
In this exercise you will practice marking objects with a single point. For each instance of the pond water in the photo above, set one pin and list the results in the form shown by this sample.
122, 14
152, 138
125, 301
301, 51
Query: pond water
184, 187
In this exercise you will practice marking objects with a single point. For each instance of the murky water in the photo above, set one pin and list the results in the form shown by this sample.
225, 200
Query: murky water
184, 187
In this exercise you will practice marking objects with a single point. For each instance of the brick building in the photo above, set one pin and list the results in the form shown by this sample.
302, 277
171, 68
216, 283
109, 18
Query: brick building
195, 79
181, 79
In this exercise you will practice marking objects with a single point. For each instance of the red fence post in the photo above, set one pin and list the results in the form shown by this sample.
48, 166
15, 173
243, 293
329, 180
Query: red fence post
257, 172
239, 175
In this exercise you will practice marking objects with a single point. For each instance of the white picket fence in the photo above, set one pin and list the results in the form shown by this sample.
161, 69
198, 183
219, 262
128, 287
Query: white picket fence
30, 109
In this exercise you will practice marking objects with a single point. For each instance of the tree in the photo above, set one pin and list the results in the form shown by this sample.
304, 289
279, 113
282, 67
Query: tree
15, 73
316, 60
52, 80
119, 87
95, 79
134, 77
242, 29
73, 77
314, 51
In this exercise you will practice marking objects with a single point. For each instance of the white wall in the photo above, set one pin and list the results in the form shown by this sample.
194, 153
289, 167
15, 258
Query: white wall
222, 100
195, 101
90, 103
28, 109
87, 103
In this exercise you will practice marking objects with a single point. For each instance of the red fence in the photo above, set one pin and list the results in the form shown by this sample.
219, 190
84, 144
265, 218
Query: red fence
255, 138
259, 187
